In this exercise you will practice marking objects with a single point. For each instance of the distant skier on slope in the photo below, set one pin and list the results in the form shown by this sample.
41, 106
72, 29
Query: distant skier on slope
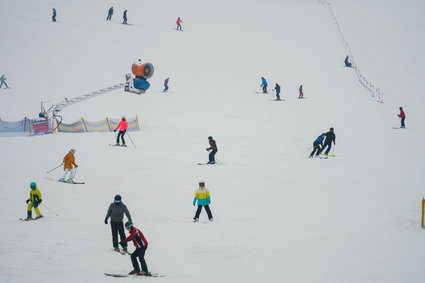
141, 245
202, 196
402, 117
318, 142
3, 81
179, 22
277, 88
264, 84
166, 84
122, 126
213, 148
116, 211
124, 16
300, 90
330, 138
347, 63
33, 202
69, 166
110, 13
54, 15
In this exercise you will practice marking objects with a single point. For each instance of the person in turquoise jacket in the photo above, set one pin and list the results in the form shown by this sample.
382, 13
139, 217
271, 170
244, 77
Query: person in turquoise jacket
202, 196
264, 84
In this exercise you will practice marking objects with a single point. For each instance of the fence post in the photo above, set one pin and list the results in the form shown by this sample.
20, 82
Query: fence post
85, 127
423, 211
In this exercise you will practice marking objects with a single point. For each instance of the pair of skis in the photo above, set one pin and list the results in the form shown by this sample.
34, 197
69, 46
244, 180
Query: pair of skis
133, 275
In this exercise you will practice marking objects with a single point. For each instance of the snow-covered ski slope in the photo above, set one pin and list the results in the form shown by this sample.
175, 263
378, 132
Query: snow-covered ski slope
278, 216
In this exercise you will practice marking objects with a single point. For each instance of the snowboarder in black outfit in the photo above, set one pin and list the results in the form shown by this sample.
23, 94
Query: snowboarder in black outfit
124, 16
110, 13
347, 63
316, 145
330, 138
277, 88
116, 211
213, 148
54, 15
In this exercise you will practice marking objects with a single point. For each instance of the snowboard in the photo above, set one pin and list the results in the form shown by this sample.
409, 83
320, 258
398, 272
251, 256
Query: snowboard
133, 275
329, 155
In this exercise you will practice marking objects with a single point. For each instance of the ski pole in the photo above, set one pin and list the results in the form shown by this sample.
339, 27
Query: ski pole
131, 140
54, 169
50, 209
333, 150
75, 172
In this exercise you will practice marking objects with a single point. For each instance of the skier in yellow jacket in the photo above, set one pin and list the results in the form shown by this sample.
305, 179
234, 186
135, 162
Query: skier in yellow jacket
34, 201
202, 196
69, 166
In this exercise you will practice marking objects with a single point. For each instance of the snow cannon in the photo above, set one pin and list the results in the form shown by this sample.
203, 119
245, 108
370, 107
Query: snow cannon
139, 83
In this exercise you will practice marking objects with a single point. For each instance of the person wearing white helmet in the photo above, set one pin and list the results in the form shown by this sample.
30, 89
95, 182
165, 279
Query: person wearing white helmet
69, 167
202, 196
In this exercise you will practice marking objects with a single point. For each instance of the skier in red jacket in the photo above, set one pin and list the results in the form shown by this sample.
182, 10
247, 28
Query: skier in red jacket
122, 126
141, 245
178, 22
402, 116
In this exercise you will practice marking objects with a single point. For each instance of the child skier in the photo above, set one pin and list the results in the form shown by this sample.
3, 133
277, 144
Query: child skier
300, 90
213, 148
116, 211
277, 88
166, 84
316, 145
141, 245
264, 84
402, 116
34, 201
69, 166
122, 126
202, 196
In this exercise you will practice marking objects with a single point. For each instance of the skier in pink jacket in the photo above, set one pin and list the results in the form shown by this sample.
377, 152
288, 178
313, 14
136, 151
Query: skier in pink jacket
122, 126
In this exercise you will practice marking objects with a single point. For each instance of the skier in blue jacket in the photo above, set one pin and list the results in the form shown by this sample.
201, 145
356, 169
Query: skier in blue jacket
316, 145
264, 84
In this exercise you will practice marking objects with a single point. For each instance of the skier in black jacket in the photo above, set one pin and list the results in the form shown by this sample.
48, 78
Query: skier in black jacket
116, 211
330, 138
277, 88
110, 13
213, 148
124, 16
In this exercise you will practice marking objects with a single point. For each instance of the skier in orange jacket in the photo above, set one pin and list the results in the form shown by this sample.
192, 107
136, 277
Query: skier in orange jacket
69, 166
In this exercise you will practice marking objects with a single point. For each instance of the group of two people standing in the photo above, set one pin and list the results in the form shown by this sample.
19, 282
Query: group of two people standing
322, 142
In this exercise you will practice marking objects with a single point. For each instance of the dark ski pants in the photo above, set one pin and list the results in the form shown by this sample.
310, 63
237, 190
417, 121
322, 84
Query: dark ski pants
165, 88
118, 227
109, 17
54, 18
139, 253
264, 89
211, 156
207, 209
278, 95
125, 21
402, 122
4, 84
179, 27
328, 145
316, 147
121, 134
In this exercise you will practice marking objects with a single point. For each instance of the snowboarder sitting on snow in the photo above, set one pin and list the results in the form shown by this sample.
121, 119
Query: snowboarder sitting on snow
3, 81
402, 116
347, 63
122, 126
213, 148
141, 245
316, 145
277, 88
166, 84
69, 166
202, 196
178, 22
116, 211
264, 85
330, 138
34, 201
110, 13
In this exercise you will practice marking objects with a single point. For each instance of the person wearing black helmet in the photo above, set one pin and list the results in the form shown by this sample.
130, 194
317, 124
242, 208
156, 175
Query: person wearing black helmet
213, 148
330, 138
116, 211
141, 245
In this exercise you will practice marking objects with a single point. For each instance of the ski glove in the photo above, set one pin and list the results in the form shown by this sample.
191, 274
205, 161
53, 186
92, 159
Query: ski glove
106, 220
27, 201
115, 131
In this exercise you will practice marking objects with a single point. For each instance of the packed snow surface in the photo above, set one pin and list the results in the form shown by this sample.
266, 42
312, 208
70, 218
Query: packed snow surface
278, 216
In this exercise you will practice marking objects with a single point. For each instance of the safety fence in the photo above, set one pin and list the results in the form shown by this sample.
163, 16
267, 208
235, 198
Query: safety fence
104, 125
373, 89
31, 127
